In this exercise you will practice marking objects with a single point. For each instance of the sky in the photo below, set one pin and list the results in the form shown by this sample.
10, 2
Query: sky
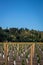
21, 14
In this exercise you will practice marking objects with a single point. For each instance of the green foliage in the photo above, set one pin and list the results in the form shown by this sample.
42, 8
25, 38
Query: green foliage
14, 57
23, 63
20, 35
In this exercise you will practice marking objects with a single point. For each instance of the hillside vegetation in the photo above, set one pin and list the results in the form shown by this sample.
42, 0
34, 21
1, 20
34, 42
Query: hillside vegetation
20, 35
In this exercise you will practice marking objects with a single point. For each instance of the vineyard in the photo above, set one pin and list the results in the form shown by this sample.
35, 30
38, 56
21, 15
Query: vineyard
21, 53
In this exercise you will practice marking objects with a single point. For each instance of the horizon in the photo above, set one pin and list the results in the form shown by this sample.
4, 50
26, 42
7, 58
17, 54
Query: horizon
20, 28
21, 14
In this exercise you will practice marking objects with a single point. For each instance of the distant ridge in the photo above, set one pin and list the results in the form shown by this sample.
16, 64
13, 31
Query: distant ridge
20, 35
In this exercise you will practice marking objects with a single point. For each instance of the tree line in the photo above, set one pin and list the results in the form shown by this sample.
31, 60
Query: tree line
20, 35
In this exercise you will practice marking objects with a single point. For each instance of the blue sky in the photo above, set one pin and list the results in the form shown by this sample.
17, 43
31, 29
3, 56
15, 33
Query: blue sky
21, 13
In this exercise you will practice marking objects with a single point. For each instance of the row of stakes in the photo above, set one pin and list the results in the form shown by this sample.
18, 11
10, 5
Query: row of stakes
31, 48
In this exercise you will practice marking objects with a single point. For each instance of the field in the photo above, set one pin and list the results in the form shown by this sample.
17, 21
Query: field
21, 53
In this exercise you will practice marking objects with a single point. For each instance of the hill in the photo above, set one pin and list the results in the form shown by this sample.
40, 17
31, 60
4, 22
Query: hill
20, 35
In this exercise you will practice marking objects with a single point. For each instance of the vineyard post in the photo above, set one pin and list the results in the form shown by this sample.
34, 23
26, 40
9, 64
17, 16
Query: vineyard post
6, 53
32, 53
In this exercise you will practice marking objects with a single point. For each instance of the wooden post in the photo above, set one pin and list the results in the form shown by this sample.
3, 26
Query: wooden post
32, 53
31, 56
6, 53
33, 49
